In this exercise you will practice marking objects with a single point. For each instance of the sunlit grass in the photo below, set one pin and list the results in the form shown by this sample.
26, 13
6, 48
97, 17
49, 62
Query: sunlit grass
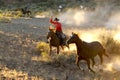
7, 73
117, 36
42, 47
5, 16
13, 14
43, 50
5, 20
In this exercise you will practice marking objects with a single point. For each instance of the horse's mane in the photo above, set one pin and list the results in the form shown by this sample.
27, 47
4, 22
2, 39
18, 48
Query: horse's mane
77, 36
51, 29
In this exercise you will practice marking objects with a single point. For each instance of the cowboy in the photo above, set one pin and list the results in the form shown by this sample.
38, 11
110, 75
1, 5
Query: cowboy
58, 28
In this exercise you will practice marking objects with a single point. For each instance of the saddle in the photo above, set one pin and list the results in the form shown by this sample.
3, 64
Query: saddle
62, 37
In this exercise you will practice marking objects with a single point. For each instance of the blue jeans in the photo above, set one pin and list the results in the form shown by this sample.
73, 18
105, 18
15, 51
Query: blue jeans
59, 34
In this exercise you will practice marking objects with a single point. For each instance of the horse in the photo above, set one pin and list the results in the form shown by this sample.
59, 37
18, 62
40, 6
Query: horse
87, 51
55, 41
25, 12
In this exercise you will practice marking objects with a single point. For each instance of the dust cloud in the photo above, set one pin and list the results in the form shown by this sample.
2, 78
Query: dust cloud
90, 25
105, 19
113, 65
102, 16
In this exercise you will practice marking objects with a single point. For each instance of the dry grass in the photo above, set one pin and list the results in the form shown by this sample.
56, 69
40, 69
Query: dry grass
14, 14
42, 47
110, 44
5, 16
5, 20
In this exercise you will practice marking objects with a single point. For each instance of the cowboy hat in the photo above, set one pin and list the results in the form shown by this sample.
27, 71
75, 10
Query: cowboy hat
56, 19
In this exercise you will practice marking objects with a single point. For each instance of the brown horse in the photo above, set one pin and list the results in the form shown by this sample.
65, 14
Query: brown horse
25, 12
87, 51
55, 41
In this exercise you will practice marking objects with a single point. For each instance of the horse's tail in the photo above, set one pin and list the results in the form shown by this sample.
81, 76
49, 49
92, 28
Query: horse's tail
105, 53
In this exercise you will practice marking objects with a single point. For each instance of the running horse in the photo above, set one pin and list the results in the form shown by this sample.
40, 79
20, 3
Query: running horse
25, 12
55, 41
87, 51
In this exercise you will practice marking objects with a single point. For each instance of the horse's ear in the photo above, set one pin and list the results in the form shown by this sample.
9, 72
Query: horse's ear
73, 33
78, 34
50, 28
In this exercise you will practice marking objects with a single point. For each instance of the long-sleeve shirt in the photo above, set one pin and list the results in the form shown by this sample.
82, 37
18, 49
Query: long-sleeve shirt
56, 24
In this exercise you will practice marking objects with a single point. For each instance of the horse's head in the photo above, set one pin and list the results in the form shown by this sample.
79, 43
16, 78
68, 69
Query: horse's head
73, 38
50, 33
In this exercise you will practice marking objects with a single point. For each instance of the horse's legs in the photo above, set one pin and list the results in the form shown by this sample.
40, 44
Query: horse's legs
101, 58
28, 13
88, 63
67, 46
93, 62
57, 49
62, 47
77, 62
50, 49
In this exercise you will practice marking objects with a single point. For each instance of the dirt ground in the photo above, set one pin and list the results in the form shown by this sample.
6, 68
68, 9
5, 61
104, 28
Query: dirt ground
18, 40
